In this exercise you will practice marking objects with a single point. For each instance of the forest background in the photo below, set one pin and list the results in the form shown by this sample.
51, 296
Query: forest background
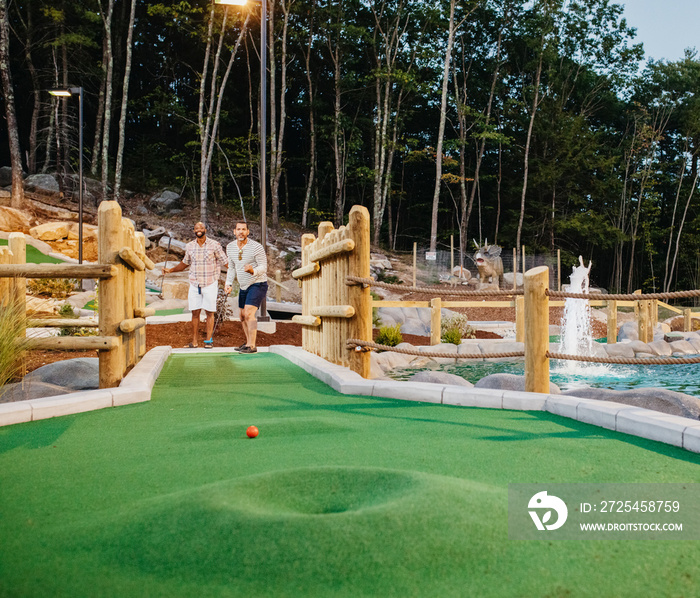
532, 123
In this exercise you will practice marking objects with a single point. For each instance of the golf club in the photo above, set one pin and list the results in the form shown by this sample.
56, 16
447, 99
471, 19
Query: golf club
167, 255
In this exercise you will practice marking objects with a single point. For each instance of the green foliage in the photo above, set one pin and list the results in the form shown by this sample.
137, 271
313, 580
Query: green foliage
55, 288
455, 328
382, 276
389, 336
66, 311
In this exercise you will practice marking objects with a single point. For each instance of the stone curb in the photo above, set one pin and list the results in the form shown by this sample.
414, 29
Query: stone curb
644, 423
134, 388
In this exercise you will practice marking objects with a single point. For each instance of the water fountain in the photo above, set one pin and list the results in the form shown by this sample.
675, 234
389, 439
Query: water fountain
576, 332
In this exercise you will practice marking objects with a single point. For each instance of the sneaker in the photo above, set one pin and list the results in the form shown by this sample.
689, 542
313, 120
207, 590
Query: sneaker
248, 350
243, 346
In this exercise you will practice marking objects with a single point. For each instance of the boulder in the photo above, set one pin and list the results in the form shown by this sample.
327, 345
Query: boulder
628, 331
42, 182
50, 231
176, 247
660, 348
25, 391
5, 197
165, 201
620, 350
156, 234
508, 280
82, 373
5, 176
14, 221
682, 347
175, 289
657, 399
440, 378
89, 231
510, 382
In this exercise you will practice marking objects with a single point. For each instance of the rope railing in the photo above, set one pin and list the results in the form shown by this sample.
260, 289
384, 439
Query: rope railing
356, 280
623, 297
353, 343
626, 360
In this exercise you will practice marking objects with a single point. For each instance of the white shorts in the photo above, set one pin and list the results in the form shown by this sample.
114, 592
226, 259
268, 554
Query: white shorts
206, 299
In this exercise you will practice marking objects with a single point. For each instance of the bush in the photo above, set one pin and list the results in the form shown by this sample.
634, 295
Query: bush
56, 288
66, 311
13, 320
382, 276
456, 328
389, 336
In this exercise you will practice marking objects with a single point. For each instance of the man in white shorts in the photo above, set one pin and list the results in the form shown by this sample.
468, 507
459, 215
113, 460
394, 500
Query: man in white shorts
205, 258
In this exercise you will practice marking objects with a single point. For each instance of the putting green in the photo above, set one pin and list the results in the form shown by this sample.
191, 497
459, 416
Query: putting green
34, 256
338, 495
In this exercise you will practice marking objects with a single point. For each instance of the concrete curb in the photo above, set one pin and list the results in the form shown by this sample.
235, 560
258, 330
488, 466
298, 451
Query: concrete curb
644, 423
134, 388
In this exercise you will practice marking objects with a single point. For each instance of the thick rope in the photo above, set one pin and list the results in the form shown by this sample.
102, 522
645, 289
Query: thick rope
353, 342
432, 290
627, 360
627, 297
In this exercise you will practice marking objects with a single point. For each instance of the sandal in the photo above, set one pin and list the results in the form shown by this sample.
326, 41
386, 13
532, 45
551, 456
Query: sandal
209, 344
191, 346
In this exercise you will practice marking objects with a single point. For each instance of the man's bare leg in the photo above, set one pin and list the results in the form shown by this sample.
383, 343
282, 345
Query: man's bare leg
195, 327
244, 325
252, 325
211, 318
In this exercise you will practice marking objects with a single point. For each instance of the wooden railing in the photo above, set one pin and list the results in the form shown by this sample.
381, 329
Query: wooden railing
122, 293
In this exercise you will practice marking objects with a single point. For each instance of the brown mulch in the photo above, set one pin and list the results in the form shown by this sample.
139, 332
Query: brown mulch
228, 334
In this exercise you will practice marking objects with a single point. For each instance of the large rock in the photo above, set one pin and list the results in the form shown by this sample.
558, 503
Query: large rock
165, 201
82, 373
510, 382
5, 176
50, 231
657, 399
176, 247
175, 289
89, 231
32, 390
14, 221
42, 182
440, 378
5, 197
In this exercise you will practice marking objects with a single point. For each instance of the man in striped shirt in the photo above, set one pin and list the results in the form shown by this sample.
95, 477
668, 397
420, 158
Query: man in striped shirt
247, 261
205, 258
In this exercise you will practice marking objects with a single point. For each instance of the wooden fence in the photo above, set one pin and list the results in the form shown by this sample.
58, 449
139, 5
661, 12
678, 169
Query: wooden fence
333, 311
122, 310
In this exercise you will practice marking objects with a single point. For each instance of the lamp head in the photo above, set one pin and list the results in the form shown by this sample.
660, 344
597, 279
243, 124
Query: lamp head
66, 93
232, 2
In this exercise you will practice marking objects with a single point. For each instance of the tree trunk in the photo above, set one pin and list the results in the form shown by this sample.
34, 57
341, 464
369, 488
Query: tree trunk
441, 129
99, 118
312, 122
125, 98
526, 163
107, 21
17, 197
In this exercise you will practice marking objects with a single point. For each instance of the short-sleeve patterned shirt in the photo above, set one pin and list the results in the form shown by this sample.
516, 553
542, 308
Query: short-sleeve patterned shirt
205, 261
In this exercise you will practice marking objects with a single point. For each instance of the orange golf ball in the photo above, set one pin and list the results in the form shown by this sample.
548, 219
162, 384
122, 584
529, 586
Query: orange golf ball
252, 432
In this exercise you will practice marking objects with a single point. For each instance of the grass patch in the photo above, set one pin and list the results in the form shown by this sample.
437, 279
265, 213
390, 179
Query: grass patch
34, 256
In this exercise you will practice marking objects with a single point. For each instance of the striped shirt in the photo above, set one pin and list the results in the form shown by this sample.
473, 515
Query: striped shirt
205, 261
238, 257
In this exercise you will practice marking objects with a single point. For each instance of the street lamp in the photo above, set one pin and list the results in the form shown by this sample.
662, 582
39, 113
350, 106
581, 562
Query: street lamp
66, 93
263, 128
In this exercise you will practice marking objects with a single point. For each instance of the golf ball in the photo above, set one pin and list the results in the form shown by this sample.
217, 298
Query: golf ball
252, 431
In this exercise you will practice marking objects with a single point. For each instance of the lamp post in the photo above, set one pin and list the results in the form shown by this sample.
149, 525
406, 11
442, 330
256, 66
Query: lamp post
263, 129
66, 93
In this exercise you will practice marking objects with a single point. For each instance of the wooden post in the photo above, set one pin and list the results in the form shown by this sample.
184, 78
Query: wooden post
519, 319
140, 297
612, 322
130, 349
322, 297
278, 290
306, 332
18, 286
111, 308
687, 321
415, 253
654, 306
536, 330
360, 326
644, 326
435, 320
5, 258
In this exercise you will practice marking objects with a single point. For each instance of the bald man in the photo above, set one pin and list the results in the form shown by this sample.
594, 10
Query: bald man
205, 258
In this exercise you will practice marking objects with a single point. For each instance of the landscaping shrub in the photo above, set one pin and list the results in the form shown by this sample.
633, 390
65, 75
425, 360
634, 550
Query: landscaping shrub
455, 328
56, 288
13, 320
389, 336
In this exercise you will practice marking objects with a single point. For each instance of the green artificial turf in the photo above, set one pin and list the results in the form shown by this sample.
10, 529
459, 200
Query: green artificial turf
337, 496
34, 256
